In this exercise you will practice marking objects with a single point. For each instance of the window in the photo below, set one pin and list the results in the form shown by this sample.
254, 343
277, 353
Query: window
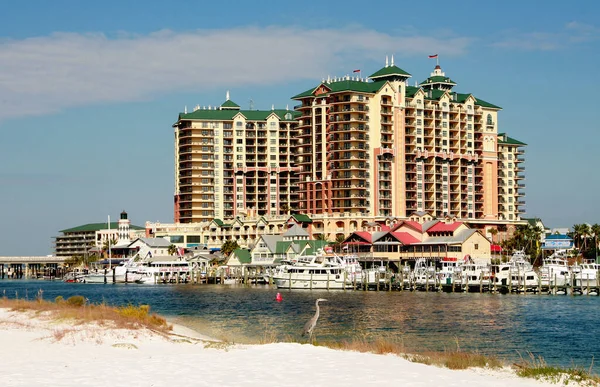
418, 121
476, 246
273, 141
205, 124
272, 125
226, 125
239, 123
239, 133
489, 120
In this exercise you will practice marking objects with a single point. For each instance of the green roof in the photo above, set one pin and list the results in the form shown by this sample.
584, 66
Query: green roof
344, 85
315, 245
228, 114
302, 218
438, 79
282, 247
92, 227
483, 103
243, 255
388, 71
229, 104
504, 139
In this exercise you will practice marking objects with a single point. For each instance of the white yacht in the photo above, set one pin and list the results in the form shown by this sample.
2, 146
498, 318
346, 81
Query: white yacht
124, 272
475, 274
312, 272
518, 272
423, 274
164, 270
450, 272
555, 270
586, 274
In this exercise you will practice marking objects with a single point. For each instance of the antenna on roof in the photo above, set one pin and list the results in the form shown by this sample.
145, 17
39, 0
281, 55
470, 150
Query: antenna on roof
392, 60
227, 96
251, 107
386, 61
185, 110
273, 107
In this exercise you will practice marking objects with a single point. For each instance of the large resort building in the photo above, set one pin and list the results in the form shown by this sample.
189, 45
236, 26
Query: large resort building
231, 162
354, 151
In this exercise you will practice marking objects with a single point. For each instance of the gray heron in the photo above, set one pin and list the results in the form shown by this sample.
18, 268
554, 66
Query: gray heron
312, 323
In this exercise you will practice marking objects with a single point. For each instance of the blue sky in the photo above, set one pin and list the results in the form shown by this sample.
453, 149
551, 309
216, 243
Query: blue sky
89, 90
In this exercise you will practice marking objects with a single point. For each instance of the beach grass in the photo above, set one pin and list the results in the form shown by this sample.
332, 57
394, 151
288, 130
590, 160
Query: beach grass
535, 367
455, 359
79, 310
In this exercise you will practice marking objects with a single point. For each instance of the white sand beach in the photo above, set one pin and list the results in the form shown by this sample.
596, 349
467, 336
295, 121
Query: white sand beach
41, 352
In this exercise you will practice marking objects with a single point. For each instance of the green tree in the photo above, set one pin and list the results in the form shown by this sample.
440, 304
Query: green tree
494, 232
229, 246
339, 239
172, 249
109, 243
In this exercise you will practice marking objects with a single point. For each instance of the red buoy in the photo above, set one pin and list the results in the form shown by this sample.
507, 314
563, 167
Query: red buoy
278, 297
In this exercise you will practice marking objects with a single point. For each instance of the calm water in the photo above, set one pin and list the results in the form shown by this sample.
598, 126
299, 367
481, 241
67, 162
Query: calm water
562, 329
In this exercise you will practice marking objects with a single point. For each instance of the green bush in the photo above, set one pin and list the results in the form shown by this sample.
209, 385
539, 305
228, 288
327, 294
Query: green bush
76, 301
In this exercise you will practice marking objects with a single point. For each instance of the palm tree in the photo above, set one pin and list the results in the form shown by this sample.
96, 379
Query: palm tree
595, 232
108, 244
338, 241
172, 249
494, 232
229, 246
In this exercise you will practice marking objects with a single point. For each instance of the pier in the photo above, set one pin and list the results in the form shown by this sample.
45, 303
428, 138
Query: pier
32, 267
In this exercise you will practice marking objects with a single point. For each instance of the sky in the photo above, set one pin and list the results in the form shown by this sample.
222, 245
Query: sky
89, 91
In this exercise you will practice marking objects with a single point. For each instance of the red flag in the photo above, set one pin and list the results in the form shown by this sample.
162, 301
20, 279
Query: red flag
433, 56
356, 71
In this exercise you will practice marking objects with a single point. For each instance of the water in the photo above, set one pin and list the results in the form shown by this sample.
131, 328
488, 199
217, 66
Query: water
562, 329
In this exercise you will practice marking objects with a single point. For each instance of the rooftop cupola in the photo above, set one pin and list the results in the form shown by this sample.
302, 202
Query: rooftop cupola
229, 104
438, 80
390, 72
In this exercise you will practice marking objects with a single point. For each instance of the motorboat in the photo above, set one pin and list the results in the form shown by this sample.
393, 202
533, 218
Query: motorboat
312, 272
163, 270
555, 270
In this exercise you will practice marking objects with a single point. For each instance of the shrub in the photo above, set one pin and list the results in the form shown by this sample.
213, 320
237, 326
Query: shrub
76, 301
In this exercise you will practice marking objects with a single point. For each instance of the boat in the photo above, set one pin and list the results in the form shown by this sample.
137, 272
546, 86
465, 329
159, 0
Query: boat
163, 270
555, 270
450, 271
586, 274
424, 274
312, 272
122, 273
475, 274
517, 273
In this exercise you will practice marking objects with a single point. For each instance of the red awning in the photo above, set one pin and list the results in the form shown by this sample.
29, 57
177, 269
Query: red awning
496, 248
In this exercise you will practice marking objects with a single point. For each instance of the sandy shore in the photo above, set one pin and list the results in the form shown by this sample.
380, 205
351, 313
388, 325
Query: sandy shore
41, 352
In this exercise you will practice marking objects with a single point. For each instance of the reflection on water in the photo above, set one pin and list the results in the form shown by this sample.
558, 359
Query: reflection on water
562, 329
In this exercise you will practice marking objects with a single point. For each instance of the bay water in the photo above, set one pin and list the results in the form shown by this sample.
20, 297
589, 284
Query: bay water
564, 330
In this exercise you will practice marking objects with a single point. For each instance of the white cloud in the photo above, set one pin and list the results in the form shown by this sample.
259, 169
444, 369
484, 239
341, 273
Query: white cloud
50, 73
573, 32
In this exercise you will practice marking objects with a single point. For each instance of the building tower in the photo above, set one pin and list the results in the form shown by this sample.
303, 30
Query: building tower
124, 229
232, 162
346, 145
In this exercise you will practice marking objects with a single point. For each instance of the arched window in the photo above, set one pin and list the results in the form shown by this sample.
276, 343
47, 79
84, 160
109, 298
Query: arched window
489, 119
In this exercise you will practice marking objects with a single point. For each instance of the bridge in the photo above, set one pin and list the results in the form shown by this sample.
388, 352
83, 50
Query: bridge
31, 266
